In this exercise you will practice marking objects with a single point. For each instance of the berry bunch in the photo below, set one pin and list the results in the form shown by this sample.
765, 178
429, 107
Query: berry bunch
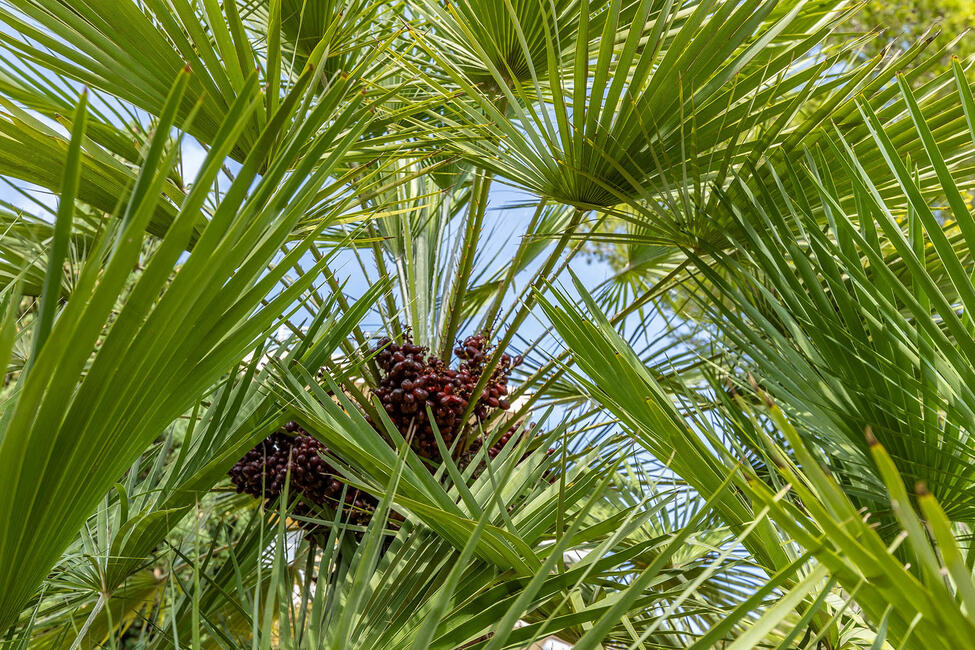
496, 449
314, 483
473, 351
413, 380
493, 452
468, 457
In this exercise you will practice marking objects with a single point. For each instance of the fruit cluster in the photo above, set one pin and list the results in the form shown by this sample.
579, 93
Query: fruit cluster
492, 453
314, 483
412, 380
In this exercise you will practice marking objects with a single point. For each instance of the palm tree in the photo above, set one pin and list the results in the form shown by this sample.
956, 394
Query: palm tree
333, 248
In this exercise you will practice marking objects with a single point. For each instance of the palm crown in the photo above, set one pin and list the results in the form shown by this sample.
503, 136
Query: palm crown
443, 432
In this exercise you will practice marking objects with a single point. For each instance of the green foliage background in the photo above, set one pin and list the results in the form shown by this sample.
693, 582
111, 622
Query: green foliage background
755, 432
